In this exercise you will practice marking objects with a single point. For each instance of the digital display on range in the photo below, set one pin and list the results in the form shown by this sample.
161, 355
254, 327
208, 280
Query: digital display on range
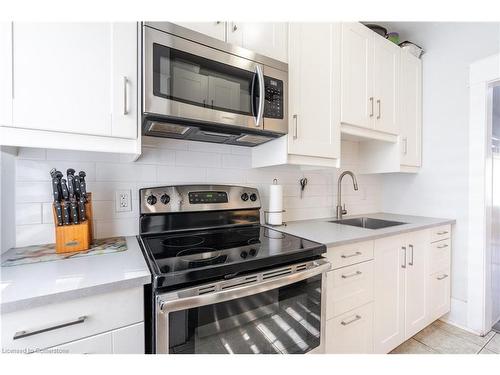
204, 197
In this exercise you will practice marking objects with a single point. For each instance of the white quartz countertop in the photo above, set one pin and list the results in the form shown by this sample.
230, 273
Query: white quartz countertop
332, 234
30, 285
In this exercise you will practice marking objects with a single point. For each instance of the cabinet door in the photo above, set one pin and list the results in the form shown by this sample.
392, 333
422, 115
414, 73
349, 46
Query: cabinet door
125, 81
416, 281
216, 29
411, 110
389, 293
129, 340
98, 344
439, 294
358, 104
351, 333
6, 73
386, 85
266, 38
62, 77
314, 101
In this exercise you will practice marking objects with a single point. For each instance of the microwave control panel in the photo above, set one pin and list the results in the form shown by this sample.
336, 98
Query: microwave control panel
273, 107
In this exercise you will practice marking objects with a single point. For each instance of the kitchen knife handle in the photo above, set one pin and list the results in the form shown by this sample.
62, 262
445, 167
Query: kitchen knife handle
66, 213
71, 186
78, 191
81, 209
59, 213
64, 187
74, 212
55, 189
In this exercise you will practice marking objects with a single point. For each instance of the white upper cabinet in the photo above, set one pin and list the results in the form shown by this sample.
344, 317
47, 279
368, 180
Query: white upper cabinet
386, 69
411, 110
216, 29
266, 38
314, 101
75, 78
357, 75
370, 80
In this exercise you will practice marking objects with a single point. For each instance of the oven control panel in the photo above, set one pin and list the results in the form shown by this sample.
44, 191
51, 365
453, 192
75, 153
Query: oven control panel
189, 198
273, 107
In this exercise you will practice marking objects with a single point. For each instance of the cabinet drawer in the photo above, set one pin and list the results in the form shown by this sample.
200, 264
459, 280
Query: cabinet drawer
349, 287
98, 344
439, 297
54, 324
439, 257
351, 332
440, 233
347, 255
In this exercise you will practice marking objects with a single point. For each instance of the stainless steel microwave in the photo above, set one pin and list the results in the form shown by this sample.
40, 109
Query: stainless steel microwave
199, 88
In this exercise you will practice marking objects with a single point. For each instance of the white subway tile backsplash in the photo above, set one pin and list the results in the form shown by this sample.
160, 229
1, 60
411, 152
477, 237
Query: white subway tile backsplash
178, 175
171, 162
197, 159
28, 213
35, 234
237, 161
125, 172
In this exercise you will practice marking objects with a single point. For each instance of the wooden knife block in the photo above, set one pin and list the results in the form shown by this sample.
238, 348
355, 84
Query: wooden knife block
75, 237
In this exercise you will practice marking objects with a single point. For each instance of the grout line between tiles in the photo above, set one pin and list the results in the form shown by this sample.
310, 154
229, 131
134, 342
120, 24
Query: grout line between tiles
484, 346
424, 344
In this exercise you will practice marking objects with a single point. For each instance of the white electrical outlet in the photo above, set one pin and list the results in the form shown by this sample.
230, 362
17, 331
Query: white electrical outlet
123, 200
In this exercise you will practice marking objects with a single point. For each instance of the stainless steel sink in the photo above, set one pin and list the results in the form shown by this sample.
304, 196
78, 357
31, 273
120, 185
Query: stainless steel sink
368, 222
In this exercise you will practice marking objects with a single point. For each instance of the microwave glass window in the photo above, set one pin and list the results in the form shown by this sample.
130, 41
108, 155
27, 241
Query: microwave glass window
195, 80
283, 320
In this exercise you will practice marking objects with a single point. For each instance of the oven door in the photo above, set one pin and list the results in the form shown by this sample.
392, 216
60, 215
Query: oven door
276, 311
190, 81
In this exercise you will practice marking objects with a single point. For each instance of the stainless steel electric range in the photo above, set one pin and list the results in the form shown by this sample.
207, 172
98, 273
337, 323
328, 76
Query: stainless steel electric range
222, 283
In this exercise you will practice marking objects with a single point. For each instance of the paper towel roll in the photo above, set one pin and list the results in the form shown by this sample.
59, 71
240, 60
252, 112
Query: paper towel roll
275, 205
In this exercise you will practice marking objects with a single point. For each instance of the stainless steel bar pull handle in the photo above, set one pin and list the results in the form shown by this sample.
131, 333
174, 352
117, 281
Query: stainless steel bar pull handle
441, 233
21, 334
442, 277
125, 96
354, 319
260, 111
295, 128
411, 255
357, 253
357, 273
379, 109
442, 246
404, 257
405, 143
371, 105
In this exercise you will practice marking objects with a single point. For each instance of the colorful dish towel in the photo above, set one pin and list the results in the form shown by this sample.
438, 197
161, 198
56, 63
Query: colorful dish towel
47, 253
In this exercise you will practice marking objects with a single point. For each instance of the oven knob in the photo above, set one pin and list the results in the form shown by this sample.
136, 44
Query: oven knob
253, 197
244, 254
244, 197
252, 252
165, 198
151, 200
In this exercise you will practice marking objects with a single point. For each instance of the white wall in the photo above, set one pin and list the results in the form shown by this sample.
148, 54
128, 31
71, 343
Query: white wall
441, 188
166, 162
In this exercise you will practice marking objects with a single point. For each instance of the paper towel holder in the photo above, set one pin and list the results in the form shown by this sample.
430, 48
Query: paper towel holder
266, 217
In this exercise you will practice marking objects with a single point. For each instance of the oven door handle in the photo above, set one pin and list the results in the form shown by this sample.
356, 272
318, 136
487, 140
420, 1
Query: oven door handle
260, 110
176, 303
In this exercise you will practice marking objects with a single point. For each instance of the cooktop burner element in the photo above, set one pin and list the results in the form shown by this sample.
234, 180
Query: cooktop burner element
187, 242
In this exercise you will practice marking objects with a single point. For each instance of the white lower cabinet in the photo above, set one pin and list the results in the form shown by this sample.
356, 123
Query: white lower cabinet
351, 333
380, 293
126, 340
79, 325
407, 295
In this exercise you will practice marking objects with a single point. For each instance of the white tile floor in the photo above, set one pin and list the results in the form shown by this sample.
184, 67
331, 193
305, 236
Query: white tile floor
442, 338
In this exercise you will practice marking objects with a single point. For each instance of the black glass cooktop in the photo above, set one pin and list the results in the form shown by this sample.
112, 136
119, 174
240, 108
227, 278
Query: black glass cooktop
190, 257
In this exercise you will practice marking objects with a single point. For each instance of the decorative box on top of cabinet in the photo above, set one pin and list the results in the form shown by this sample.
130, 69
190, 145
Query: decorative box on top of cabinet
70, 86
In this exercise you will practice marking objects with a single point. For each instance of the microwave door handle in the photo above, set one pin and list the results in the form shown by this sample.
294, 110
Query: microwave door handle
260, 110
